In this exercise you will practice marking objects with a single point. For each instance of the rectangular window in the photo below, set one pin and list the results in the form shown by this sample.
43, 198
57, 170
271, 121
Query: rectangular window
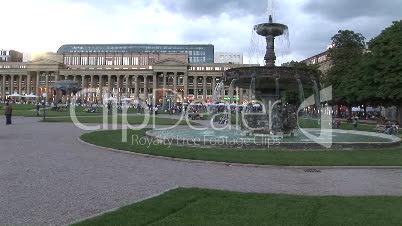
76, 60
67, 60
209, 91
134, 61
160, 80
101, 61
84, 60
126, 60
180, 81
152, 61
143, 60
117, 61
109, 60
92, 60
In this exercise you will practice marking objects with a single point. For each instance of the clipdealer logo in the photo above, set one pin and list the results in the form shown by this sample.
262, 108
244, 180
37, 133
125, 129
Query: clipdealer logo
205, 141
114, 119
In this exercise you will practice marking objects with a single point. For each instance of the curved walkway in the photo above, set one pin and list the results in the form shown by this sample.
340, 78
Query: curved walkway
48, 177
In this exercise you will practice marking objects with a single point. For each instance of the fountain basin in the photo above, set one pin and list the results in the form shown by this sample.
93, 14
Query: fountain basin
341, 139
267, 29
265, 75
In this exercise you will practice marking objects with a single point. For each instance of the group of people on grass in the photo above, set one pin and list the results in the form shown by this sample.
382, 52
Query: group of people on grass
389, 128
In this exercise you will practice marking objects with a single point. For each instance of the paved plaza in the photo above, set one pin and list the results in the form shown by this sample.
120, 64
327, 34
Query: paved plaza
48, 177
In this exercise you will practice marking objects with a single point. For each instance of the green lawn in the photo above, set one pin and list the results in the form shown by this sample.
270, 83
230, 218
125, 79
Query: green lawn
30, 111
209, 207
386, 157
313, 123
131, 120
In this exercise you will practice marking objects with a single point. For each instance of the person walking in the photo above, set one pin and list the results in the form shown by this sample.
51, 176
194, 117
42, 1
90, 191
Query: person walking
8, 113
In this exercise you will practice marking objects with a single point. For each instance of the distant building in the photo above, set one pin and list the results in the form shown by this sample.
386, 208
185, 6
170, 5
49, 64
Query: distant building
228, 58
10, 56
123, 71
321, 59
197, 54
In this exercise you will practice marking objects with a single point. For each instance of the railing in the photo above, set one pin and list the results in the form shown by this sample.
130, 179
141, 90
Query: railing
12, 65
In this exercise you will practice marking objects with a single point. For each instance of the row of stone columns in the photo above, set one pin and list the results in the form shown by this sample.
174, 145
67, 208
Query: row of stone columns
129, 81
18, 87
29, 81
91, 83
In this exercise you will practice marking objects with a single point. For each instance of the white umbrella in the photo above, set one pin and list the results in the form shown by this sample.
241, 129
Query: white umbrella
31, 96
15, 95
111, 99
356, 109
221, 104
126, 99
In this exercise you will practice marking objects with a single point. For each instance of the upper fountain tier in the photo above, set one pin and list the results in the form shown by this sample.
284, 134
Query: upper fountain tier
265, 76
270, 28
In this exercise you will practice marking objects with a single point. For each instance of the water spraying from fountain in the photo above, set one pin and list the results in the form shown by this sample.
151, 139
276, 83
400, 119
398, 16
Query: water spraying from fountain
231, 90
277, 88
316, 94
252, 88
217, 94
301, 91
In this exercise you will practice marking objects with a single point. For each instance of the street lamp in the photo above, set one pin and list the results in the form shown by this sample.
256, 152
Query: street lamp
44, 95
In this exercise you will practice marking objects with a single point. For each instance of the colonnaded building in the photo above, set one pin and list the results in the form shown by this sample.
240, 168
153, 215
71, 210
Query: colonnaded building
123, 71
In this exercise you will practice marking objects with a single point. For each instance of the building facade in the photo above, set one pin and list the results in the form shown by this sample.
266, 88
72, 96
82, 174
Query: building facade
121, 75
321, 59
10, 56
228, 58
202, 54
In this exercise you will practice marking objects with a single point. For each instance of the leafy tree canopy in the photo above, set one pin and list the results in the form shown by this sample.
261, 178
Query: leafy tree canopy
346, 52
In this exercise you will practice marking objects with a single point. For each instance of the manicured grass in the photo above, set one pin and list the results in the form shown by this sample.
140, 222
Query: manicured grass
20, 107
30, 111
313, 123
131, 120
113, 139
209, 207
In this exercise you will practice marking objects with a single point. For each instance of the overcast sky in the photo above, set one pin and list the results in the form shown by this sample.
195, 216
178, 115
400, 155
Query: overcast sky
45, 25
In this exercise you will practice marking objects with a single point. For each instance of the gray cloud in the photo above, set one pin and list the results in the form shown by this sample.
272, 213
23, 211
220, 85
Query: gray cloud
214, 8
312, 23
342, 10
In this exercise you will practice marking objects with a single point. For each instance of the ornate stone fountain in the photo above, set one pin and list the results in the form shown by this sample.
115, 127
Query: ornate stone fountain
269, 85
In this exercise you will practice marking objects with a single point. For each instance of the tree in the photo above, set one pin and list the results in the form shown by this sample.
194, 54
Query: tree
345, 55
386, 64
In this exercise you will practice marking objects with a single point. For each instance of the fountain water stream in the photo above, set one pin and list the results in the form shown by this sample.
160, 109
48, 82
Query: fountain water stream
301, 90
231, 90
316, 94
217, 94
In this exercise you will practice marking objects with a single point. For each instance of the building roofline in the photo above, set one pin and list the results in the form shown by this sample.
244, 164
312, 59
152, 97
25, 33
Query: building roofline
315, 56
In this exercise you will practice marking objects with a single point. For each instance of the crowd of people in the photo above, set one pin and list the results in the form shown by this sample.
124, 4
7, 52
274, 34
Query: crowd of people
194, 111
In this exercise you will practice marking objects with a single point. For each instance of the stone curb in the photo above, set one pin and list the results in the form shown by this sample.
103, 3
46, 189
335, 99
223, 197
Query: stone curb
236, 164
126, 204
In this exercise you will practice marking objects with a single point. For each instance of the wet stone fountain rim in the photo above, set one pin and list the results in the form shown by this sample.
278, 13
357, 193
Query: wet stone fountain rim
392, 141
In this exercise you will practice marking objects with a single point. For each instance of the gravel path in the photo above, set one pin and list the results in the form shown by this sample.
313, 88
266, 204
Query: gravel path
48, 177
